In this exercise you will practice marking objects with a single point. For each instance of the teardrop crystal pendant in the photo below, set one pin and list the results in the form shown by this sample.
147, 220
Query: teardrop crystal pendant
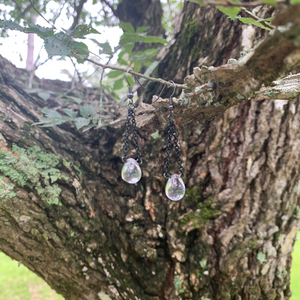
131, 171
175, 188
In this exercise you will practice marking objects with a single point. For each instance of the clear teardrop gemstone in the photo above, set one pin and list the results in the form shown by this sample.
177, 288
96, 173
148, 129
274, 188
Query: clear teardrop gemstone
175, 188
131, 171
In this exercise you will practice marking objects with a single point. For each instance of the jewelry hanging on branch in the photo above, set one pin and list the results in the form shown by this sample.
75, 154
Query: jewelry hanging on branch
131, 171
175, 188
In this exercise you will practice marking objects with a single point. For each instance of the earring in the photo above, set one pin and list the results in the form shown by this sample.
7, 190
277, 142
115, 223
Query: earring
175, 188
131, 171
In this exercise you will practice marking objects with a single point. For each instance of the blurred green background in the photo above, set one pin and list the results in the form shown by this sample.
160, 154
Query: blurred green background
18, 283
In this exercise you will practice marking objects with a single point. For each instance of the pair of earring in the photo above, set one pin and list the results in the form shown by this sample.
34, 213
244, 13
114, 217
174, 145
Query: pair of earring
131, 171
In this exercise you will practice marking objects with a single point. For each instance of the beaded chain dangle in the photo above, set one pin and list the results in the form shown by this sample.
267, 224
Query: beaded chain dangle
175, 188
131, 171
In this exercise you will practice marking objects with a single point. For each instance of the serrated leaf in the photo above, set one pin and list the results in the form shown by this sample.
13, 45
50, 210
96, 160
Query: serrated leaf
114, 74
70, 113
82, 30
118, 84
50, 113
40, 31
127, 27
81, 122
11, 25
253, 22
44, 95
85, 111
231, 12
54, 46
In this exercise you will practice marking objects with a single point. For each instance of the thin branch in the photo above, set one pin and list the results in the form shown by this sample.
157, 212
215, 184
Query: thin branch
109, 5
101, 79
229, 4
76, 87
254, 17
76, 71
167, 83
59, 13
41, 15
78, 10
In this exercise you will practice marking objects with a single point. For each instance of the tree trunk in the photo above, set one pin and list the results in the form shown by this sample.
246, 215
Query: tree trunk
230, 237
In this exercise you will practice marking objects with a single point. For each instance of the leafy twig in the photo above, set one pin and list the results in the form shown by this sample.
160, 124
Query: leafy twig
167, 83
254, 17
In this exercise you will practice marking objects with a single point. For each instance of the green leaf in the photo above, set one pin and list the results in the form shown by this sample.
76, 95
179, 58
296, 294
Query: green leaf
80, 51
127, 27
253, 22
44, 95
105, 47
114, 74
118, 84
137, 65
231, 12
40, 31
151, 68
11, 25
81, 122
141, 29
155, 134
85, 111
293, 2
50, 113
55, 47
82, 30
70, 113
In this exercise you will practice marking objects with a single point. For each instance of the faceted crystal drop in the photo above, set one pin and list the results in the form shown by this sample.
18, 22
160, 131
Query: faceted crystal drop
175, 188
131, 171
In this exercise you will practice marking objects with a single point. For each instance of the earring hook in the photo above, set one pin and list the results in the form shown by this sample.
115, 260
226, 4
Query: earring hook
159, 94
170, 99
135, 78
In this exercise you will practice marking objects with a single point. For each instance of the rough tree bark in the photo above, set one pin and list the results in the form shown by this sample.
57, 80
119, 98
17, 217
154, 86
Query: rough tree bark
231, 236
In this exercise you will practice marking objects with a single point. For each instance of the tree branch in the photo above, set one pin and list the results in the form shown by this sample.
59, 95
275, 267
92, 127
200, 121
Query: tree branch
78, 10
167, 83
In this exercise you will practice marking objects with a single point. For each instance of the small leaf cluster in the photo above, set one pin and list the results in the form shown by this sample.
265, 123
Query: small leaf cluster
33, 168
89, 118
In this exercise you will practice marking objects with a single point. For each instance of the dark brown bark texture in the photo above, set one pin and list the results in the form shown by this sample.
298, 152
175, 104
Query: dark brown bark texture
230, 237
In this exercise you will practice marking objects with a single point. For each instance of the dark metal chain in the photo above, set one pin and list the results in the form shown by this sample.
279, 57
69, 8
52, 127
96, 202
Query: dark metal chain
172, 134
131, 123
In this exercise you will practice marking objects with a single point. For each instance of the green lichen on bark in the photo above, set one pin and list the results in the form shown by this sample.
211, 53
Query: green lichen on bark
6, 189
33, 168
